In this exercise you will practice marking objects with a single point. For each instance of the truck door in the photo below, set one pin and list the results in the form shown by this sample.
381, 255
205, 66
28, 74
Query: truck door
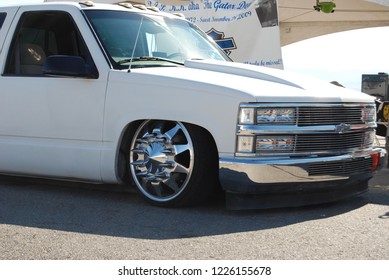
49, 125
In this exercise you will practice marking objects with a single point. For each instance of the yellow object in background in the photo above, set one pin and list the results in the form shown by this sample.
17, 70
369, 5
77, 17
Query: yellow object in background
386, 112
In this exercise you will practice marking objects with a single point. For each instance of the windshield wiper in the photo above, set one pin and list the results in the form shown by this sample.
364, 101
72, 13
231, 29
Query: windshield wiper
148, 58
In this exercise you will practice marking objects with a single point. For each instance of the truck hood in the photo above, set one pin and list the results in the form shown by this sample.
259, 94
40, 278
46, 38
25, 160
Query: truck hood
253, 83
280, 84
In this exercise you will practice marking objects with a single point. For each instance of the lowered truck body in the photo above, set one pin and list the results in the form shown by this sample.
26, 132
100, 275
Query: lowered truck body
128, 95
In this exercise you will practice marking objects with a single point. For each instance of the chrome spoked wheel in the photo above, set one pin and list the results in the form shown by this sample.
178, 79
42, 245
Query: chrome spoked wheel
161, 160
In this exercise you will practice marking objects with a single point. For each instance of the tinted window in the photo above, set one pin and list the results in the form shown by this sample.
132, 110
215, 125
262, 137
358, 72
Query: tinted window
42, 34
129, 38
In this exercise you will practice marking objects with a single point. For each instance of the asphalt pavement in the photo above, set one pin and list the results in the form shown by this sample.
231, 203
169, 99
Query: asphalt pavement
50, 220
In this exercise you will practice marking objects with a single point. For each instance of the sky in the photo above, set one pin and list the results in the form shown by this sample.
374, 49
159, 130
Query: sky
341, 57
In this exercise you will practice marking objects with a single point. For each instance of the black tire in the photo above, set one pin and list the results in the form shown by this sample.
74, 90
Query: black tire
173, 164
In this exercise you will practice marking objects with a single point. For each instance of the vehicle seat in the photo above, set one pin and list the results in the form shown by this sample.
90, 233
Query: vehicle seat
32, 58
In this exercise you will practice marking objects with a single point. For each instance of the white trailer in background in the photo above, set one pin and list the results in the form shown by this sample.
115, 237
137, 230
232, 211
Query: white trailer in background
247, 30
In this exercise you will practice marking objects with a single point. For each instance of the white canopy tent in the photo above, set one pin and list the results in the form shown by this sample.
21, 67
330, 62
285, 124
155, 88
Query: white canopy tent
299, 20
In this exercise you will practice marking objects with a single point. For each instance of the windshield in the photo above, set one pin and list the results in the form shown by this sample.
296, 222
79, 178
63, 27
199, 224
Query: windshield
144, 40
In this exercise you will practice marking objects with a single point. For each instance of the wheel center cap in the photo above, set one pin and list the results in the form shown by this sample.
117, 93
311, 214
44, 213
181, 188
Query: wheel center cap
155, 154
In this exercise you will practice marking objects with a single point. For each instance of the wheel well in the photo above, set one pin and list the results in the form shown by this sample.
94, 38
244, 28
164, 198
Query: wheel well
129, 130
122, 159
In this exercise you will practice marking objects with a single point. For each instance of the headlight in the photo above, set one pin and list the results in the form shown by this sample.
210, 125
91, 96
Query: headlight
275, 144
266, 144
267, 116
245, 144
368, 114
368, 140
246, 116
276, 116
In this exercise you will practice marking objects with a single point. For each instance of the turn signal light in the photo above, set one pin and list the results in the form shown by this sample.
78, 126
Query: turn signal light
376, 162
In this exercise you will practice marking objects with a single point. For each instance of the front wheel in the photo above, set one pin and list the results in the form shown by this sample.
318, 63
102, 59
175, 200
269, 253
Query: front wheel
171, 164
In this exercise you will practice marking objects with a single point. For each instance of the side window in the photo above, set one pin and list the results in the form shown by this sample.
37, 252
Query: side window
41, 34
2, 18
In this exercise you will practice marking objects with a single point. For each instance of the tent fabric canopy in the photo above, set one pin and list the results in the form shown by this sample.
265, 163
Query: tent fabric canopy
299, 20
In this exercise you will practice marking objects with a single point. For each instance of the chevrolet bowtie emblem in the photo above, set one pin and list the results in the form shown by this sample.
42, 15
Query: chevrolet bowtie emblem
342, 128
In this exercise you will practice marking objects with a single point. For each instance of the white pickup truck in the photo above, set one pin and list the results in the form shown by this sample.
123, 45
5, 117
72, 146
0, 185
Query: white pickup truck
122, 94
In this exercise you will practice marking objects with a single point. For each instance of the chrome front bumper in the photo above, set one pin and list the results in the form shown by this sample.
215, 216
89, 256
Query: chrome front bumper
248, 176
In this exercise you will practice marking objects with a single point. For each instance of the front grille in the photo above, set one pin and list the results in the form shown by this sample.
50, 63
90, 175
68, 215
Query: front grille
308, 116
315, 143
341, 168
315, 129
333, 142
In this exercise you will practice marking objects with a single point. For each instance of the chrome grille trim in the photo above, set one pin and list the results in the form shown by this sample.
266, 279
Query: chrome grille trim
319, 144
308, 116
320, 114
340, 168
331, 142
320, 129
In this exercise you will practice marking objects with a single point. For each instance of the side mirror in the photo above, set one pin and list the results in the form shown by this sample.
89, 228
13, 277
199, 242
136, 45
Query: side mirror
66, 65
